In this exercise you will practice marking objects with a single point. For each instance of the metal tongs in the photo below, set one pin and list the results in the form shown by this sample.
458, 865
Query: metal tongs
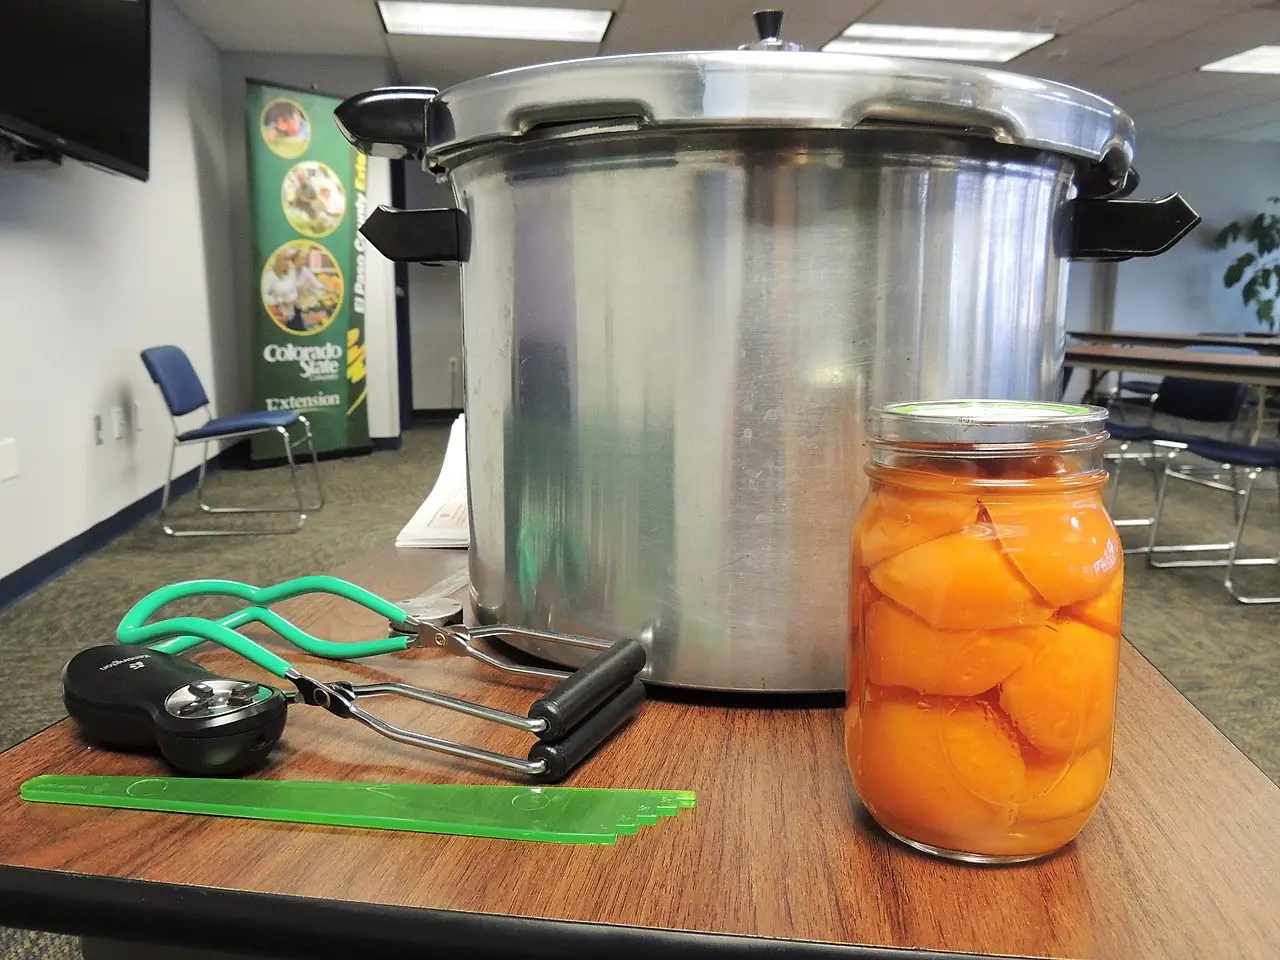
575, 717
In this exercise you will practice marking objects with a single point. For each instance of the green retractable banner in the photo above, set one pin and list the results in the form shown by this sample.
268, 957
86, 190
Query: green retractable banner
307, 201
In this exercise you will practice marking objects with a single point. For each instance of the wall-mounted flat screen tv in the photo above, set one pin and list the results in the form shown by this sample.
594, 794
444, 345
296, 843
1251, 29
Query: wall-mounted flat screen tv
75, 79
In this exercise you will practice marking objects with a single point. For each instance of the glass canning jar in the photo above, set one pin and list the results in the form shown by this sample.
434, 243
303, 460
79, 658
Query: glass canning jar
985, 604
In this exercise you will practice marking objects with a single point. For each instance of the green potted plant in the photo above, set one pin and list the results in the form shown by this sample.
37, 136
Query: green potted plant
1258, 268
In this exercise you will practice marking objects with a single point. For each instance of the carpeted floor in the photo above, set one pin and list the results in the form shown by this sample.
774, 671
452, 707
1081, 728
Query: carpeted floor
1223, 656
368, 501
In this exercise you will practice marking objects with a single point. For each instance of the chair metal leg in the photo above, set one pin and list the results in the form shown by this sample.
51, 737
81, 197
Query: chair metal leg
1121, 456
293, 474
1260, 419
1232, 558
1237, 512
1161, 492
1154, 549
300, 510
204, 460
1144, 461
289, 445
164, 496
315, 461
1231, 546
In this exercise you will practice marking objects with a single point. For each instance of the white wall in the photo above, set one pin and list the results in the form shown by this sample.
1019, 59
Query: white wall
338, 76
1182, 290
435, 311
95, 268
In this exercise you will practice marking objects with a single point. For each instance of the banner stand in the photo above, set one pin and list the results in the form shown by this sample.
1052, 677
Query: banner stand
307, 201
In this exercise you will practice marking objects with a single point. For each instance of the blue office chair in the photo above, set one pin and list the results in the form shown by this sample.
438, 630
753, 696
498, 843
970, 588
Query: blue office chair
1187, 401
1236, 456
183, 393
1126, 391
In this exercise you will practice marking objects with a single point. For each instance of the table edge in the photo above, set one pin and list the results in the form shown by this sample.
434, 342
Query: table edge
284, 925
1240, 369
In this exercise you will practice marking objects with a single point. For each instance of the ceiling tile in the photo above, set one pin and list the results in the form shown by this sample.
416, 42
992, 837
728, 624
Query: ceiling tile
1077, 51
344, 27
649, 26
1058, 16
581, 4
1180, 89
1248, 29
644, 26
1156, 20
1158, 62
444, 61
1263, 132
813, 26
1222, 103
1232, 122
1141, 53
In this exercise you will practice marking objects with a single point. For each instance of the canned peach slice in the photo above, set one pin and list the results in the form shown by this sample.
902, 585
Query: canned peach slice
1104, 611
1064, 545
897, 520
1057, 789
961, 582
937, 768
904, 651
1062, 699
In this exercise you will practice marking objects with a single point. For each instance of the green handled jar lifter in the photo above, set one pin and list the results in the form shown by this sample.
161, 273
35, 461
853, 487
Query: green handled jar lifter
583, 709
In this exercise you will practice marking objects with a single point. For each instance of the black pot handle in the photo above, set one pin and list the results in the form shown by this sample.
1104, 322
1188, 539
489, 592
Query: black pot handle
419, 236
1119, 229
388, 122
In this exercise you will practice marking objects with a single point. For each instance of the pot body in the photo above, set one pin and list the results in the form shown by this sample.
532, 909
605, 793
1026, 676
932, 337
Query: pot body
672, 341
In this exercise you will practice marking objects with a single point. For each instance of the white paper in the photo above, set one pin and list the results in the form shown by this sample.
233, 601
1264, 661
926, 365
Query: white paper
441, 521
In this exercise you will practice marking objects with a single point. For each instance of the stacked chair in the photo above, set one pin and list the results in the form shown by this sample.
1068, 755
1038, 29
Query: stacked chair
1203, 402
1227, 466
1127, 391
1237, 458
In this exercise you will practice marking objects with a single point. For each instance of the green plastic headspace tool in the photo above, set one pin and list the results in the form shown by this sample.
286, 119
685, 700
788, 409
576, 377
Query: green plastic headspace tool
584, 708
554, 814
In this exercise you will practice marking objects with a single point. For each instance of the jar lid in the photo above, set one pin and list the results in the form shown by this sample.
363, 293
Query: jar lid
983, 422
774, 88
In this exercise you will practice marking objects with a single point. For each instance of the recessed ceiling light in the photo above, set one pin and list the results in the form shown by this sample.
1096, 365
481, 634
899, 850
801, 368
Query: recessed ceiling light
1257, 60
493, 22
935, 43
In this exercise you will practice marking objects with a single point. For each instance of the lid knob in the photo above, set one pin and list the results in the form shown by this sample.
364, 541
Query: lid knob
768, 24
769, 27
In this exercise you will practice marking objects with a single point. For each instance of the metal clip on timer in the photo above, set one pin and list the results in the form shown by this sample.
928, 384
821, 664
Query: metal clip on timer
575, 717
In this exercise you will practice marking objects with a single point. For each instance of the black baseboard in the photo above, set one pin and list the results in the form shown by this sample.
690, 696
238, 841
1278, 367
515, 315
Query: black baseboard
436, 416
388, 443
29, 577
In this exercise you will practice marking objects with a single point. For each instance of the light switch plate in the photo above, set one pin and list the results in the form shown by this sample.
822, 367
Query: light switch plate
8, 459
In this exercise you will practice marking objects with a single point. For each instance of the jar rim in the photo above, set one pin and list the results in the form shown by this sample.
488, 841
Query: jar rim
983, 422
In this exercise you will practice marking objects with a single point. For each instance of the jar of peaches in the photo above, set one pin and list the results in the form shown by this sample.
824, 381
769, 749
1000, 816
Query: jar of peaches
985, 627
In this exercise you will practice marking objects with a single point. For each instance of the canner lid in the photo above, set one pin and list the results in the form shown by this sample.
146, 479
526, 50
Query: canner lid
775, 88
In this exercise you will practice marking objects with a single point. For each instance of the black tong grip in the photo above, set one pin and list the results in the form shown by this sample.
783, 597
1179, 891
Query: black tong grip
563, 755
576, 697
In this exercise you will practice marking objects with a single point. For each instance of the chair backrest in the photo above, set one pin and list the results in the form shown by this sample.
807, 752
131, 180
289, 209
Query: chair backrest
177, 379
1205, 401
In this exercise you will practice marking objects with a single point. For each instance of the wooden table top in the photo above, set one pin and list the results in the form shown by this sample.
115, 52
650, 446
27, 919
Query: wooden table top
1182, 860
1264, 345
1173, 361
